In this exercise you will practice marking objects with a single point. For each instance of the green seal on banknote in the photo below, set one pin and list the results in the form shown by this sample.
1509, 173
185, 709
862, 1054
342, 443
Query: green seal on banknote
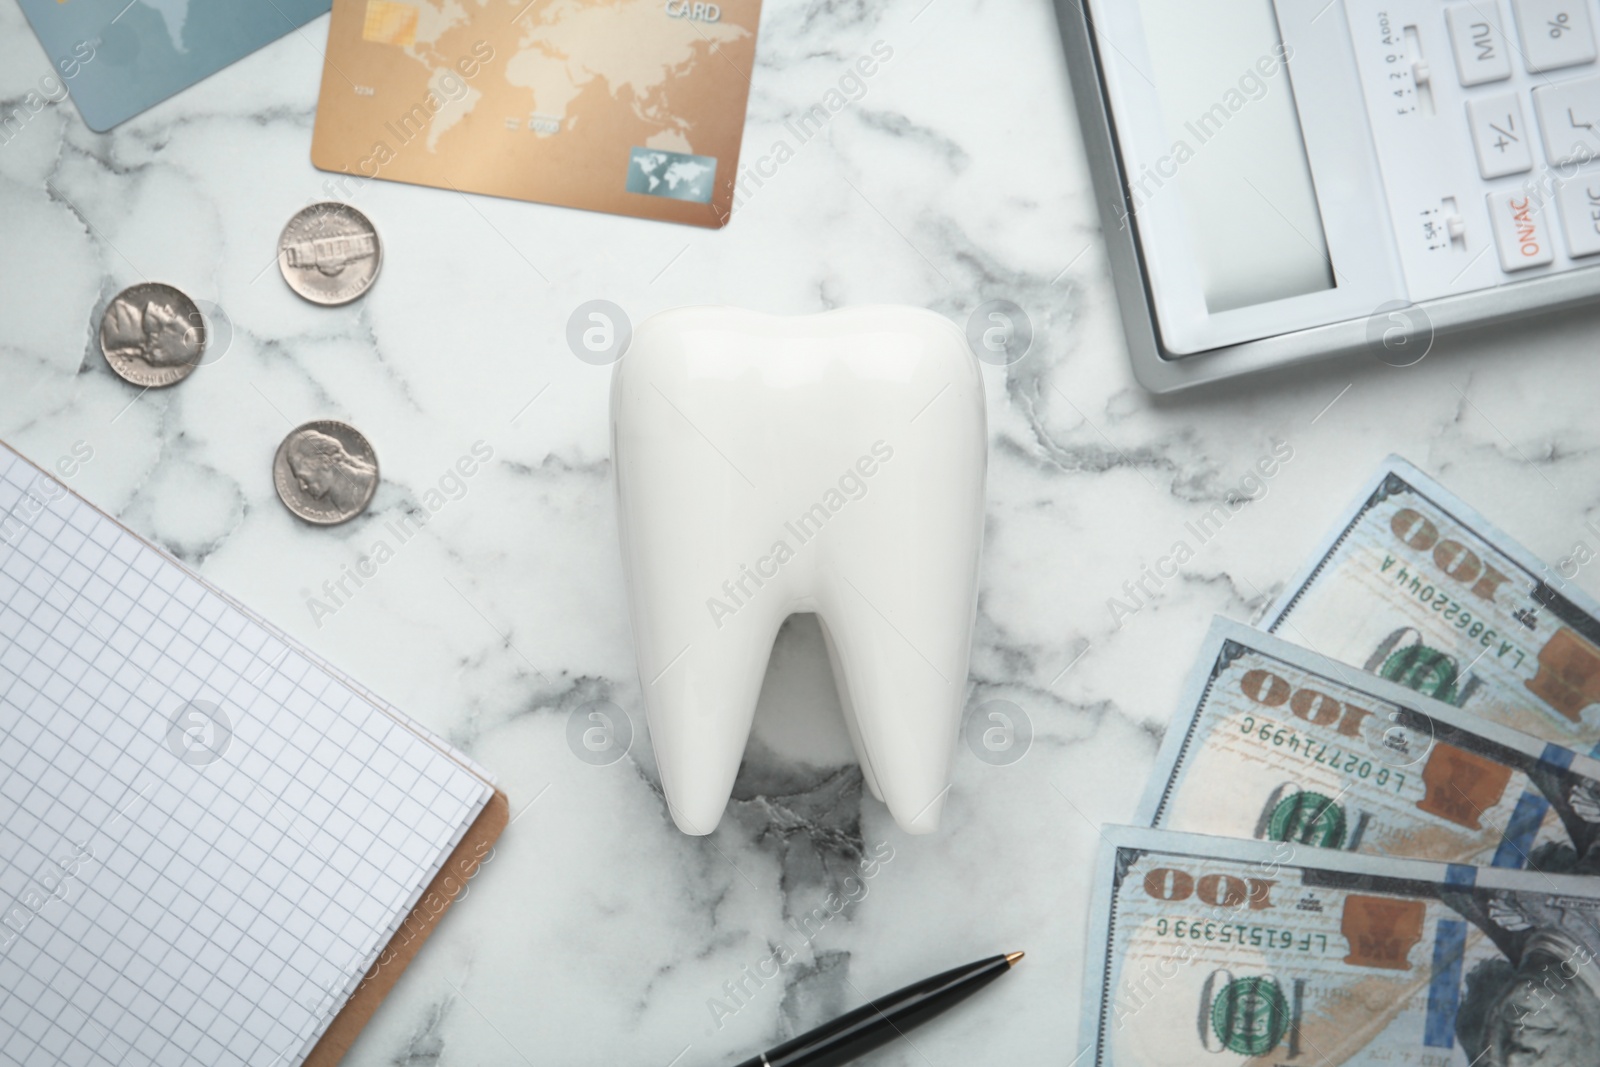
1427, 670
1415, 586
1308, 818
1250, 1016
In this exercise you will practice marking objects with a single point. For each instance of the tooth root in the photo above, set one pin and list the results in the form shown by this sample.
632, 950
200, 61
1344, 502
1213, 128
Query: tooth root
700, 711
851, 725
907, 676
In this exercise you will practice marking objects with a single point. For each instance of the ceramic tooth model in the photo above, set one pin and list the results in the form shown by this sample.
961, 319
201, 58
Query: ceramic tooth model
767, 465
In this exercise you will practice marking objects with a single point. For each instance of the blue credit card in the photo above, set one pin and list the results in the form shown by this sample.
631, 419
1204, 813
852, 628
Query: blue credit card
119, 57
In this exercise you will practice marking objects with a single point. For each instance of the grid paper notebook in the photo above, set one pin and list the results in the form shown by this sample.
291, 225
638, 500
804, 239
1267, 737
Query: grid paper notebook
206, 835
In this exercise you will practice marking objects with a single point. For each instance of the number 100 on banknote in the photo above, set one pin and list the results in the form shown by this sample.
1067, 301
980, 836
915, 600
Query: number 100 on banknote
1209, 950
1274, 742
1418, 588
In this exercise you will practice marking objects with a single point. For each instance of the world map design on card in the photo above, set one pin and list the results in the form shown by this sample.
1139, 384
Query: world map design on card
634, 107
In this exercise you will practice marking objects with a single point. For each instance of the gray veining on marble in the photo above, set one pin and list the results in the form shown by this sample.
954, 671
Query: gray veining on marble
598, 933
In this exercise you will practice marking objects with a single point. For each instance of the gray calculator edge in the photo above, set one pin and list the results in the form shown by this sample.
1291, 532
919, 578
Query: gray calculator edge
1161, 372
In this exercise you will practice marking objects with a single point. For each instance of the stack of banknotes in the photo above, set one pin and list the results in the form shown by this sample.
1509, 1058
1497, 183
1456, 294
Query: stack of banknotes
1372, 835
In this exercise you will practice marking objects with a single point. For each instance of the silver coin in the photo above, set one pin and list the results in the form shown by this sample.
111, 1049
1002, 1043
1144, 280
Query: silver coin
152, 335
329, 253
325, 472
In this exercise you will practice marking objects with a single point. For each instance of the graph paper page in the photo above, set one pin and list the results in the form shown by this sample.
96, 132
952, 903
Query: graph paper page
206, 836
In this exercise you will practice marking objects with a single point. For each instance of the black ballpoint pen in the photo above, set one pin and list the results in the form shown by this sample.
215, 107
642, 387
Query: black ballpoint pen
881, 1021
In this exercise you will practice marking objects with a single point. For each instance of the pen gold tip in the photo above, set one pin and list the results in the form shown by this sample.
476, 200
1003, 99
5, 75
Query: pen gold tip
1012, 958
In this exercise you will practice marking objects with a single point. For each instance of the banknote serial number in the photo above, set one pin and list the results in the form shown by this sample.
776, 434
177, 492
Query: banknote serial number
1318, 752
1240, 934
1451, 610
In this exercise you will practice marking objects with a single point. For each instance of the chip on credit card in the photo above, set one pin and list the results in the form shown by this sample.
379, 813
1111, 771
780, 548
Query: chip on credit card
634, 107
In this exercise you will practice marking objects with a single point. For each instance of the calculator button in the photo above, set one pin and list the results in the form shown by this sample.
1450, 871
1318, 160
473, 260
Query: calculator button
1479, 43
1499, 135
1555, 33
1569, 118
1579, 201
1520, 232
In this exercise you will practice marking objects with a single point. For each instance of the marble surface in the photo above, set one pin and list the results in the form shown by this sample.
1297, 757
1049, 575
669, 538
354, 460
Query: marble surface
599, 933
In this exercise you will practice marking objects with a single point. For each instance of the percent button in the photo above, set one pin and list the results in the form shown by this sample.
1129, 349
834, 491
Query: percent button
1555, 33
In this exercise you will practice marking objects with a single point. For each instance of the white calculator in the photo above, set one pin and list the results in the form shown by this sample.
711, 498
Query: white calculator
1284, 181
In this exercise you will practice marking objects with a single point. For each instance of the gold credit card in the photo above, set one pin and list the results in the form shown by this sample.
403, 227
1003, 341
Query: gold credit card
635, 107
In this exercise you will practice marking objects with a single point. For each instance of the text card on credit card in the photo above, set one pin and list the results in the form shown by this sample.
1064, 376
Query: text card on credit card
120, 57
634, 107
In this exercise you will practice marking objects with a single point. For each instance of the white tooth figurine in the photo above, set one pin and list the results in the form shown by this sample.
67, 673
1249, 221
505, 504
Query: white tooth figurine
767, 465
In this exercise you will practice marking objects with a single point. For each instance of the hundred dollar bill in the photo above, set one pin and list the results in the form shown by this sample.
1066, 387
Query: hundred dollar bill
1417, 587
1211, 950
1274, 742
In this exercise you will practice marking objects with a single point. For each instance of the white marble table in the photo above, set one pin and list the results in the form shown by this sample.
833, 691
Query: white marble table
599, 933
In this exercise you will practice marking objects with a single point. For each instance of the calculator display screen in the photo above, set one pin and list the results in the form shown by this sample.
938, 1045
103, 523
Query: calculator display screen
1237, 159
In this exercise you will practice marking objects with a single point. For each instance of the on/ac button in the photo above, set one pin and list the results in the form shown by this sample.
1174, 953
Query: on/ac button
1521, 229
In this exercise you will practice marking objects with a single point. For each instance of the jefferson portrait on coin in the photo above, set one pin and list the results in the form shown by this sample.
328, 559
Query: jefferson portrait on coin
157, 333
327, 472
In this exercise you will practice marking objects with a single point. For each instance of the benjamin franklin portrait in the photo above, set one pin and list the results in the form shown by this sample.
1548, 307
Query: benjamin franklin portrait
1540, 1012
